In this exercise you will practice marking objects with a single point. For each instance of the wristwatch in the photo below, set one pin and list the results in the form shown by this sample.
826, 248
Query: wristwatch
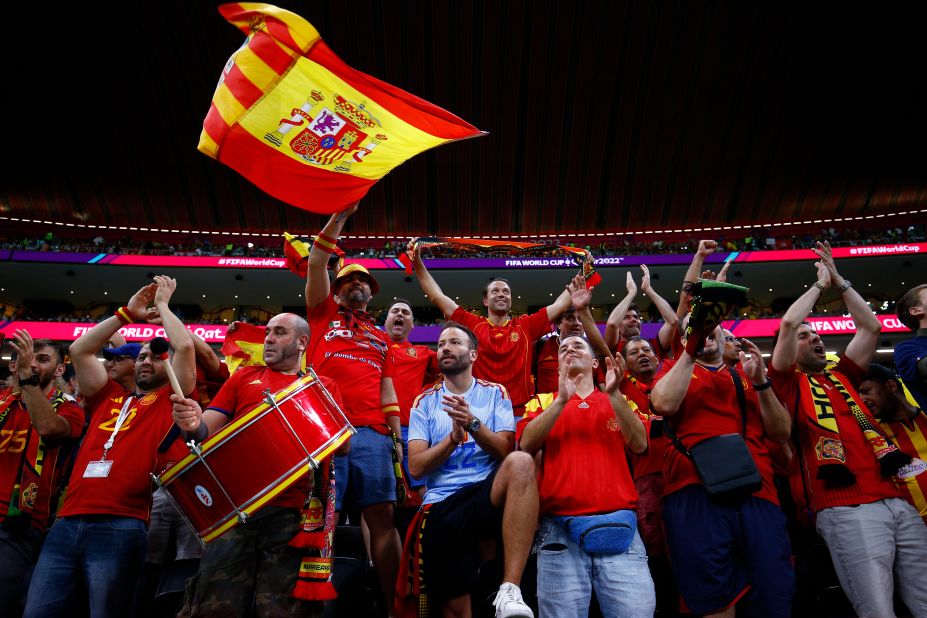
846, 286
32, 380
473, 426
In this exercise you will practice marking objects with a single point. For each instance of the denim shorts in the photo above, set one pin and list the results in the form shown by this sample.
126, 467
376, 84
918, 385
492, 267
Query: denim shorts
365, 476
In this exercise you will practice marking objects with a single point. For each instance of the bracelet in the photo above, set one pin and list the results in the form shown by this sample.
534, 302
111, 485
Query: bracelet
325, 243
847, 284
763, 386
820, 286
124, 316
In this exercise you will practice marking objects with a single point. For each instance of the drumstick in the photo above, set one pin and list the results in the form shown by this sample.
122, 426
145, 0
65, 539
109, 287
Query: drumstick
159, 347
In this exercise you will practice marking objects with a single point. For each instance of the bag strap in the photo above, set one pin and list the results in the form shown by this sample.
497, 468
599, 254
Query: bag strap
668, 427
741, 399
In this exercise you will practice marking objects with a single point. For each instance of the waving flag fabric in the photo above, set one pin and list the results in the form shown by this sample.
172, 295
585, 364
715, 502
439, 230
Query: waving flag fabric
578, 256
299, 123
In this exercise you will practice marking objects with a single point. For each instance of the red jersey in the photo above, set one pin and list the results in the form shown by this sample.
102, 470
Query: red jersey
505, 352
870, 485
583, 469
412, 368
30, 466
911, 437
709, 409
126, 491
650, 462
347, 347
244, 391
547, 376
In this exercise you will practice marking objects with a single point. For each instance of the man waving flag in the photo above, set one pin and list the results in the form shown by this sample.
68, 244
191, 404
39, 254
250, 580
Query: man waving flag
294, 119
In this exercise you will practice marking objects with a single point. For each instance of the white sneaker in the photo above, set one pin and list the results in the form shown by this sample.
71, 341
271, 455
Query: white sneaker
509, 604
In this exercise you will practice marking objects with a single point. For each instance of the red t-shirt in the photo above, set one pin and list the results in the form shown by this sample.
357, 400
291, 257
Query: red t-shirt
352, 352
505, 352
650, 462
412, 368
547, 377
244, 391
870, 485
126, 492
583, 465
709, 409
20, 443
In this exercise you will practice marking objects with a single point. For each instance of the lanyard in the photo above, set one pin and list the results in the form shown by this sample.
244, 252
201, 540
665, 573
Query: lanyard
123, 414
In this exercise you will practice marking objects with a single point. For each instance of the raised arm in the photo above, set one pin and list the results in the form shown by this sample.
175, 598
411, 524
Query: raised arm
612, 324
318, 287
42, 413
670, 319
91, 375
538, 428
862, 347
632, 427
582, 297
786, 350
705, 248
563, 302
184, 361
776, 420
431, 288
668, 393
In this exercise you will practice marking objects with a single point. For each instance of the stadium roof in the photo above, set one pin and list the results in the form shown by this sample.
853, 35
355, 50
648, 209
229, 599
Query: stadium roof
602, 116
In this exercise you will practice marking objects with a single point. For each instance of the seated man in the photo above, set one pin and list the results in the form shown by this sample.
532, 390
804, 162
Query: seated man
584, 472
461, 436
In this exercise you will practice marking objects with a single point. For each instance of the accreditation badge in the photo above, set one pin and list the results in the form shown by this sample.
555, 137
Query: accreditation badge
98, 469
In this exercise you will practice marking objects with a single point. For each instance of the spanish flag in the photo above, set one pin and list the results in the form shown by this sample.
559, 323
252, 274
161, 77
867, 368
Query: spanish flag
243, 346
299, 123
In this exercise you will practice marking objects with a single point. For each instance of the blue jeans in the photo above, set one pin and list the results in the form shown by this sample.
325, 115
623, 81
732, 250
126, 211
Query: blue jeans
567, 575
107, 553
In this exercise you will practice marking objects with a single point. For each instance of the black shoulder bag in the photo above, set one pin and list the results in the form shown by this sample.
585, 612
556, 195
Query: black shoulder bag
724, 463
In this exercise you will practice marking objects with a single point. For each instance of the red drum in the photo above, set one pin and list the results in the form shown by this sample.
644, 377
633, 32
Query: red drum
250, 461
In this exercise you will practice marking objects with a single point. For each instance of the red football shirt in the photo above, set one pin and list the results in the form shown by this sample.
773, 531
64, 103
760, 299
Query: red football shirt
583, 469
244, 391
709, 409
126, 492
412, 368
650, 462
547, 378
505, 352
20, 442
351, 350
870, 485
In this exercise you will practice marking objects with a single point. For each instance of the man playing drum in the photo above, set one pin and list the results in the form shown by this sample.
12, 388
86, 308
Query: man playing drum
253, 562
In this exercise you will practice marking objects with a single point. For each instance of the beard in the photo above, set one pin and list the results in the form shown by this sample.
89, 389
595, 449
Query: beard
459, 365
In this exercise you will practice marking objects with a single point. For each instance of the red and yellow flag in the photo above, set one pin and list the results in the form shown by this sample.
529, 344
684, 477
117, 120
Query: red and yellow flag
294, 119
243, 346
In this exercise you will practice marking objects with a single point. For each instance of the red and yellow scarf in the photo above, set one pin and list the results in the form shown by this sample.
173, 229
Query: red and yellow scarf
829, 454
580, 257
316, 535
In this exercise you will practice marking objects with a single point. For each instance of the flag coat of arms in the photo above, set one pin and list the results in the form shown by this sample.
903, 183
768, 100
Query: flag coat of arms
294, 119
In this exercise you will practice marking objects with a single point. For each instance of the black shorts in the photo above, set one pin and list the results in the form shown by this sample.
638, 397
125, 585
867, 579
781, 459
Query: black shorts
451, 531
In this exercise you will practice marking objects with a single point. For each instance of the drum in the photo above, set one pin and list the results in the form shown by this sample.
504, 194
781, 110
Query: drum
250, 461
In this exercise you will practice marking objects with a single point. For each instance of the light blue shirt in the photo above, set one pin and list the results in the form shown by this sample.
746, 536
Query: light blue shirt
469, 463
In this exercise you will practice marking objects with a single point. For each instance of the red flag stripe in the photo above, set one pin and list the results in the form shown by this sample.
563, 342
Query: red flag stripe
214, 125
242, 88
241, 17
270, 53
289, 180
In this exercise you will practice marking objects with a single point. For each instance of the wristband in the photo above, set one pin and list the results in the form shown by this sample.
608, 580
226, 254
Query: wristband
325, 243
846, 286
390, 409
763, 386
820, 286
124, 316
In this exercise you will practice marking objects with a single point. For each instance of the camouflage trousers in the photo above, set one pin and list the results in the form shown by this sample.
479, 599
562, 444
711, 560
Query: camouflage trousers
250, 571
